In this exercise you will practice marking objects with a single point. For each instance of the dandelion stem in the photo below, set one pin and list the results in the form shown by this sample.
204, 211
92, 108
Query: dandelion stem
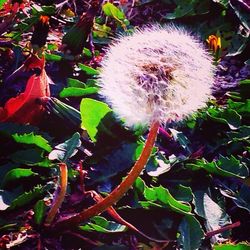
120, 190
59, 199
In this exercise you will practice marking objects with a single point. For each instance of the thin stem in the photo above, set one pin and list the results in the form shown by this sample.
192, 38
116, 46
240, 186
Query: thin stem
60, 198
222, 229
119, 191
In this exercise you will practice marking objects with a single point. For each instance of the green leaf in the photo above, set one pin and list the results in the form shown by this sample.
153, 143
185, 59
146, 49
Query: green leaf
28, 197
228, 116
162, 196
191, 233
233, 166
239, 246
211, 210
88, 70
111, 10
39, 212
102, 225
111, 164
75, 83
30, 157
241, 9
225, 166
31, 138
237, 45
182, 193
62, 152
17, 174
243, 108
224, 3
53, 57
157, 165
2, 2
181, 138
243, 198
92, 113
76, 92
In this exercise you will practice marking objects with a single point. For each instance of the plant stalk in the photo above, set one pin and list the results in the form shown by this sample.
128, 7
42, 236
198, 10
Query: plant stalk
60, 198
119, 191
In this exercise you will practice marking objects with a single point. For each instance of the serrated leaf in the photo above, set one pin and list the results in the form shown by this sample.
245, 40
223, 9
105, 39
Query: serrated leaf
39, 212
191, 233
17, 174
27, 197
102, 225
88, 70
77, 92
243, 108
228, 116
162, 196
31, 138
30, 157
225, 166
63, 151
92, 113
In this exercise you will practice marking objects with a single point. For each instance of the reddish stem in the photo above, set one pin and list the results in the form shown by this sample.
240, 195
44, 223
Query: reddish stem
222, 229
60, 198
119, 191
112, 212
165, 133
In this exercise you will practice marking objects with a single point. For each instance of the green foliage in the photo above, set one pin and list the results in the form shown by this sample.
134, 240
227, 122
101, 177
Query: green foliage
77, 92
88, 70
30, 157
224, 166
28, 197
39, 212
228, 116
102, 225
2, 2
161, 197
239, 246
31, 138
191, 233
189, 8
112, 11
16, 174
92, 113
63, 151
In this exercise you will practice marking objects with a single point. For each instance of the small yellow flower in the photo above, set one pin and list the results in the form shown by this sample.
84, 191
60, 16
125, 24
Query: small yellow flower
214, 42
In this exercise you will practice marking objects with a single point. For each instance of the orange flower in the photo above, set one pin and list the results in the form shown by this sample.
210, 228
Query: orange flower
44, 19
24, 108
214, 43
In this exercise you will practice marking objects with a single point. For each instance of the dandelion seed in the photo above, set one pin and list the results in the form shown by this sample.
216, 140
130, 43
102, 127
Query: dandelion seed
156, 73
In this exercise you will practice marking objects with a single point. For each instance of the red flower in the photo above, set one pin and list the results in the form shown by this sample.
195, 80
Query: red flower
24, 108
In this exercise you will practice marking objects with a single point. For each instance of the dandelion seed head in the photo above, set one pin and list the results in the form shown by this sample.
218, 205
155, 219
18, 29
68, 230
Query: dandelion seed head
157, 73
